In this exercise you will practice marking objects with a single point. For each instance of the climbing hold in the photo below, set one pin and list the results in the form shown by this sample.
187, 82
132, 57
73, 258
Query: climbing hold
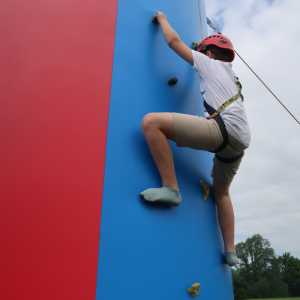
172, 81
205, 189
154, 20
195, 46
194, 289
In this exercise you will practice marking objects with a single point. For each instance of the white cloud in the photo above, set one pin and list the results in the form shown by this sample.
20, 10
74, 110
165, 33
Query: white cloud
266, 191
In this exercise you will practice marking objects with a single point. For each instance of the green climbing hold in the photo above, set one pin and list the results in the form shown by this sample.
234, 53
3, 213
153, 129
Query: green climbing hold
205, 189
194, 289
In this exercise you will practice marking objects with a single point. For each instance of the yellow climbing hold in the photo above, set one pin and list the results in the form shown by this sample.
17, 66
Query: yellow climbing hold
205, 189
194, 289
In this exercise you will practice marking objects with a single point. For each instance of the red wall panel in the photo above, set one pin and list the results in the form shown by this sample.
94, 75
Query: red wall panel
55, 76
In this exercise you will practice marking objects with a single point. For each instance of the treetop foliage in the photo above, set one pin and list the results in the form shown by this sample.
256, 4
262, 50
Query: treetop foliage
262, 274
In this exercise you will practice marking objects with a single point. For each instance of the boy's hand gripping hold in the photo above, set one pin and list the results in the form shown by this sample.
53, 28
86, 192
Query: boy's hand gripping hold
158, 17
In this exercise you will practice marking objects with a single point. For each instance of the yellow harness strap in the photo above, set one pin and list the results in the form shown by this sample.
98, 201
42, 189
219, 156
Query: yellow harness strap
231, 100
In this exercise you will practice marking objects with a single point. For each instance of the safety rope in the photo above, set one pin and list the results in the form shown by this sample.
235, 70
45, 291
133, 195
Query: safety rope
217, 30
267, 87
200, 19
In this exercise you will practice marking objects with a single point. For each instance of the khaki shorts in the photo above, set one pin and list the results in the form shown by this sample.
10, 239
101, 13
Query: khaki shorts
202, 134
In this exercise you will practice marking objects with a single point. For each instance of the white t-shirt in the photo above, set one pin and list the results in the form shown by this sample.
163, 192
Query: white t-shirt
217, 85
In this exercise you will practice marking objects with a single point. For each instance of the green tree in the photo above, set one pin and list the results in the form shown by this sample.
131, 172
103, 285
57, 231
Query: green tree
255, 256
259, 273
290, 268
239, 286
274, 276
283, 259
259, 289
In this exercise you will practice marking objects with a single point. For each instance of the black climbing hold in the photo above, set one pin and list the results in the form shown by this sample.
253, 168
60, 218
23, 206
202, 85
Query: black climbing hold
172, 81
155, 21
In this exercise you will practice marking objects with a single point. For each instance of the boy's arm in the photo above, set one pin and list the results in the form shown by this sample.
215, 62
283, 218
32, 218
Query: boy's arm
173, 39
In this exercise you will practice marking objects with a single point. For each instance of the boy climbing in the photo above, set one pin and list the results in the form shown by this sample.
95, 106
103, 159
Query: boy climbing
223, 130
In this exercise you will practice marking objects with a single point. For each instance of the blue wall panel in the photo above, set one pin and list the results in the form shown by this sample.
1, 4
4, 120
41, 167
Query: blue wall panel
156, 251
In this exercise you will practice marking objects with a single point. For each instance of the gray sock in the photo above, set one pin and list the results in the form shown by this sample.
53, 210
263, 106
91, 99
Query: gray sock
164, 194
231, 258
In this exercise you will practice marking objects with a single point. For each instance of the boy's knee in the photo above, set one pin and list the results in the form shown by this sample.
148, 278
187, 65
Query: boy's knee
148, 122
220, 190
220, 196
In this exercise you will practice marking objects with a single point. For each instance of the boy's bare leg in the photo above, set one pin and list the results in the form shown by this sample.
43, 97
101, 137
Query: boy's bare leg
157, 129
226, 219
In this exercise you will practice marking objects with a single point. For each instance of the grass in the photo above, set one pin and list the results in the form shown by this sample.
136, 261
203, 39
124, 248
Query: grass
279, 299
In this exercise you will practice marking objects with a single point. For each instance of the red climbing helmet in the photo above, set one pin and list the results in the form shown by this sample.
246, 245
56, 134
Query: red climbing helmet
220, 41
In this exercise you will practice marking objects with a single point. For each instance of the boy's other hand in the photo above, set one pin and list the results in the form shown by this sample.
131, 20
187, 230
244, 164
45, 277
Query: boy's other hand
158, 17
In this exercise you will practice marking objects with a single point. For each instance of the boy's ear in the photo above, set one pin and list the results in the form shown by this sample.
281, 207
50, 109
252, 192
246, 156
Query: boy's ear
209, 54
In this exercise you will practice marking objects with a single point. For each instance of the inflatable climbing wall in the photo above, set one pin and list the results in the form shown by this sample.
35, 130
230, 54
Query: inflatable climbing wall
77, 77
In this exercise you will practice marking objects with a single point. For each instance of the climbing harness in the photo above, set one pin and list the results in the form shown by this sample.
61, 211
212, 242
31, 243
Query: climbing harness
231, 100
215, 114
224, 133
221, 125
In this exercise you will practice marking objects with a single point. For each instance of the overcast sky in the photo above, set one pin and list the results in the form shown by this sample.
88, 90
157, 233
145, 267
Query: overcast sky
266, 190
